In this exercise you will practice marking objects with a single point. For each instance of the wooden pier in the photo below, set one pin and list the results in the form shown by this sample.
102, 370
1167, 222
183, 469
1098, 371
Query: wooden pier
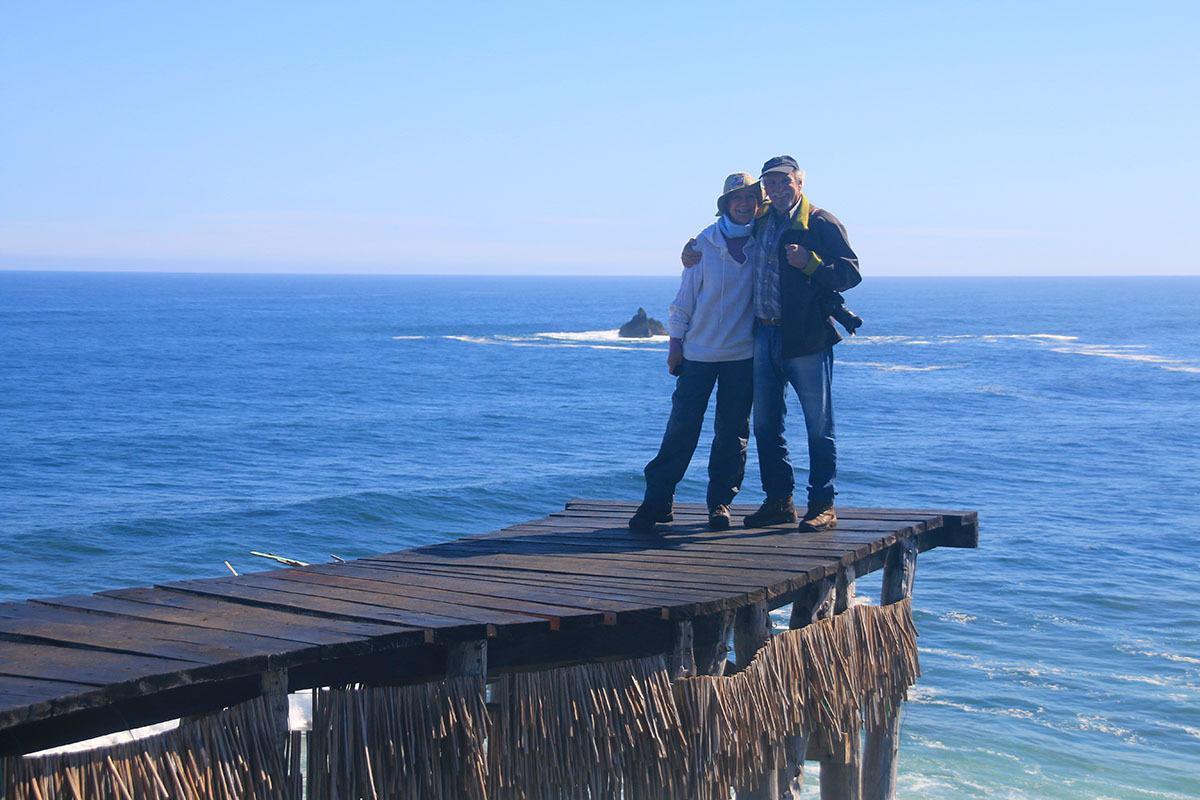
573, 588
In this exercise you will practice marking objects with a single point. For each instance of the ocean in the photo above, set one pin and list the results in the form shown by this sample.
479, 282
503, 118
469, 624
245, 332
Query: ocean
153, 426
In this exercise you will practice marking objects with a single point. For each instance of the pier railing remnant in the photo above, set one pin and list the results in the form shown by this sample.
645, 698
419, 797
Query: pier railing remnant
559, 659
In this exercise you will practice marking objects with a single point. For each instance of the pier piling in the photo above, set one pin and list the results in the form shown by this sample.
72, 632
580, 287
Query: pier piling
882, 747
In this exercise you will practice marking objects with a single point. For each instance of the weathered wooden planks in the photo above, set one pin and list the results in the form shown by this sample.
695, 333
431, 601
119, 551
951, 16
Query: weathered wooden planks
540, 588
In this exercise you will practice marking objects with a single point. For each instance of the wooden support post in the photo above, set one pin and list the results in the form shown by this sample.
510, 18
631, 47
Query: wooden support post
751, 629
841, 778
274, 686
711, 642
883, 745
467, 659
683, 660
814, 604
275, 690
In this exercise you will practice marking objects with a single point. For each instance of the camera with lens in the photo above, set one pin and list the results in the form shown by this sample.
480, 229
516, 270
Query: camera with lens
834, 305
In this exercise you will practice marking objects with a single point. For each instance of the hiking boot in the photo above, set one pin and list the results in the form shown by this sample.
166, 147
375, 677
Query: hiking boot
773, 511
819, 518
718, 517
650, 514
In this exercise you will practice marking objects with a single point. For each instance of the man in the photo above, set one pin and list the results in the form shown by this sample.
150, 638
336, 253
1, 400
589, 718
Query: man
712, 343
801, 256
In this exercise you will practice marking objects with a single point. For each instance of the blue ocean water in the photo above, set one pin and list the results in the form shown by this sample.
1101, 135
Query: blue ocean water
153, 426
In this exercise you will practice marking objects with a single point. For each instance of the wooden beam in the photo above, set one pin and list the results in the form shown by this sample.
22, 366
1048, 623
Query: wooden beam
711, 642
683, 659
467, 659
841, 776
275, 692
126, 713
751, 629
551, 649
816, 603
882, 748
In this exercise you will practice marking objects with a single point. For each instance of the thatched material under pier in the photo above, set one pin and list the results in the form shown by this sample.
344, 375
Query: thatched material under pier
422, 742
224, 756
591, 732
824, 679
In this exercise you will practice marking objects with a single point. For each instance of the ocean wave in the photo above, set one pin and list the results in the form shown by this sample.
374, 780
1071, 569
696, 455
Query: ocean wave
1095, 722
1175, 657
475, 339
885, 367
596, 336
1056, 342
1037, 715
1123, 353
960, 337
1155, 680
587, 340
1187, 729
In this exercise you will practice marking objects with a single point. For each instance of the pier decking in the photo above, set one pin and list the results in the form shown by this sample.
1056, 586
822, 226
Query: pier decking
574, 586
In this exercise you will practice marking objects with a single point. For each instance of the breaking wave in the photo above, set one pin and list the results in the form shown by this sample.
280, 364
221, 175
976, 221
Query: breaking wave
1053, 342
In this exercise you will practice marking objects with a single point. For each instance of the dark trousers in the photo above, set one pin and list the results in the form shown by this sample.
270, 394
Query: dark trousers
727, 459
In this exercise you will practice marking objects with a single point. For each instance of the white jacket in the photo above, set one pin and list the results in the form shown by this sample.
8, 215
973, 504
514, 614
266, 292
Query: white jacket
713, 312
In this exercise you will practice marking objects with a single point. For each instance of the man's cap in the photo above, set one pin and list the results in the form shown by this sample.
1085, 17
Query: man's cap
780, 164
736, 182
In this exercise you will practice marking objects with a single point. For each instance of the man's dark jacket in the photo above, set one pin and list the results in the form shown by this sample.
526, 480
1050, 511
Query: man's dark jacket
806, 327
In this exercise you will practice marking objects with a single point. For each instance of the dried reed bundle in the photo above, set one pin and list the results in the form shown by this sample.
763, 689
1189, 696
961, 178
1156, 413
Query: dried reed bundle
588, 732
887, 647
400, 742
822, 679
228, 755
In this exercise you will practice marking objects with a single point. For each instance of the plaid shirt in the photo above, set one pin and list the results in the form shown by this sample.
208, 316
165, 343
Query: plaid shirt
767, 303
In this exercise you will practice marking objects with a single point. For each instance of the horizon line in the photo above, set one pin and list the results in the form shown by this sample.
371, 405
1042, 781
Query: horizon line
318, 273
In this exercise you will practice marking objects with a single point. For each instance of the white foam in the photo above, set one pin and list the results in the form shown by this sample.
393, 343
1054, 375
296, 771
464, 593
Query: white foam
474, 339
1095, 722
885, 367
598, 336
1192, 732
1030, 337
1160, 654
1120, 353
544, 343
1057, 343
879, 340
619, 347
1070, 345
408, 338
1151, 680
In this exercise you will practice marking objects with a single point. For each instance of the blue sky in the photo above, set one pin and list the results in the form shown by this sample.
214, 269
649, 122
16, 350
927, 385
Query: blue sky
955, 138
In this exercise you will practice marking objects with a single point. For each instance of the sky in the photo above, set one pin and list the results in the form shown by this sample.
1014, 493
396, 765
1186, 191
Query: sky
950, 138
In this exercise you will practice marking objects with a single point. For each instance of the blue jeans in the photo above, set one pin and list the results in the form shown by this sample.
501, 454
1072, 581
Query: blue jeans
812, 378
727, 458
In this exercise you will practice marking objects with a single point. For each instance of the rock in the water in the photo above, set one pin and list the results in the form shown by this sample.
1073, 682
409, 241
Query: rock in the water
641, 327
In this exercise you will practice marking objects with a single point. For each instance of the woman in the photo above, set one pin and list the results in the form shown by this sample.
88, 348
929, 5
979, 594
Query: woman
712, 343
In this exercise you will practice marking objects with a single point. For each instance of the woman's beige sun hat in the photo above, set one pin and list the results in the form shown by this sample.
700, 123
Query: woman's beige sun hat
735, 182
